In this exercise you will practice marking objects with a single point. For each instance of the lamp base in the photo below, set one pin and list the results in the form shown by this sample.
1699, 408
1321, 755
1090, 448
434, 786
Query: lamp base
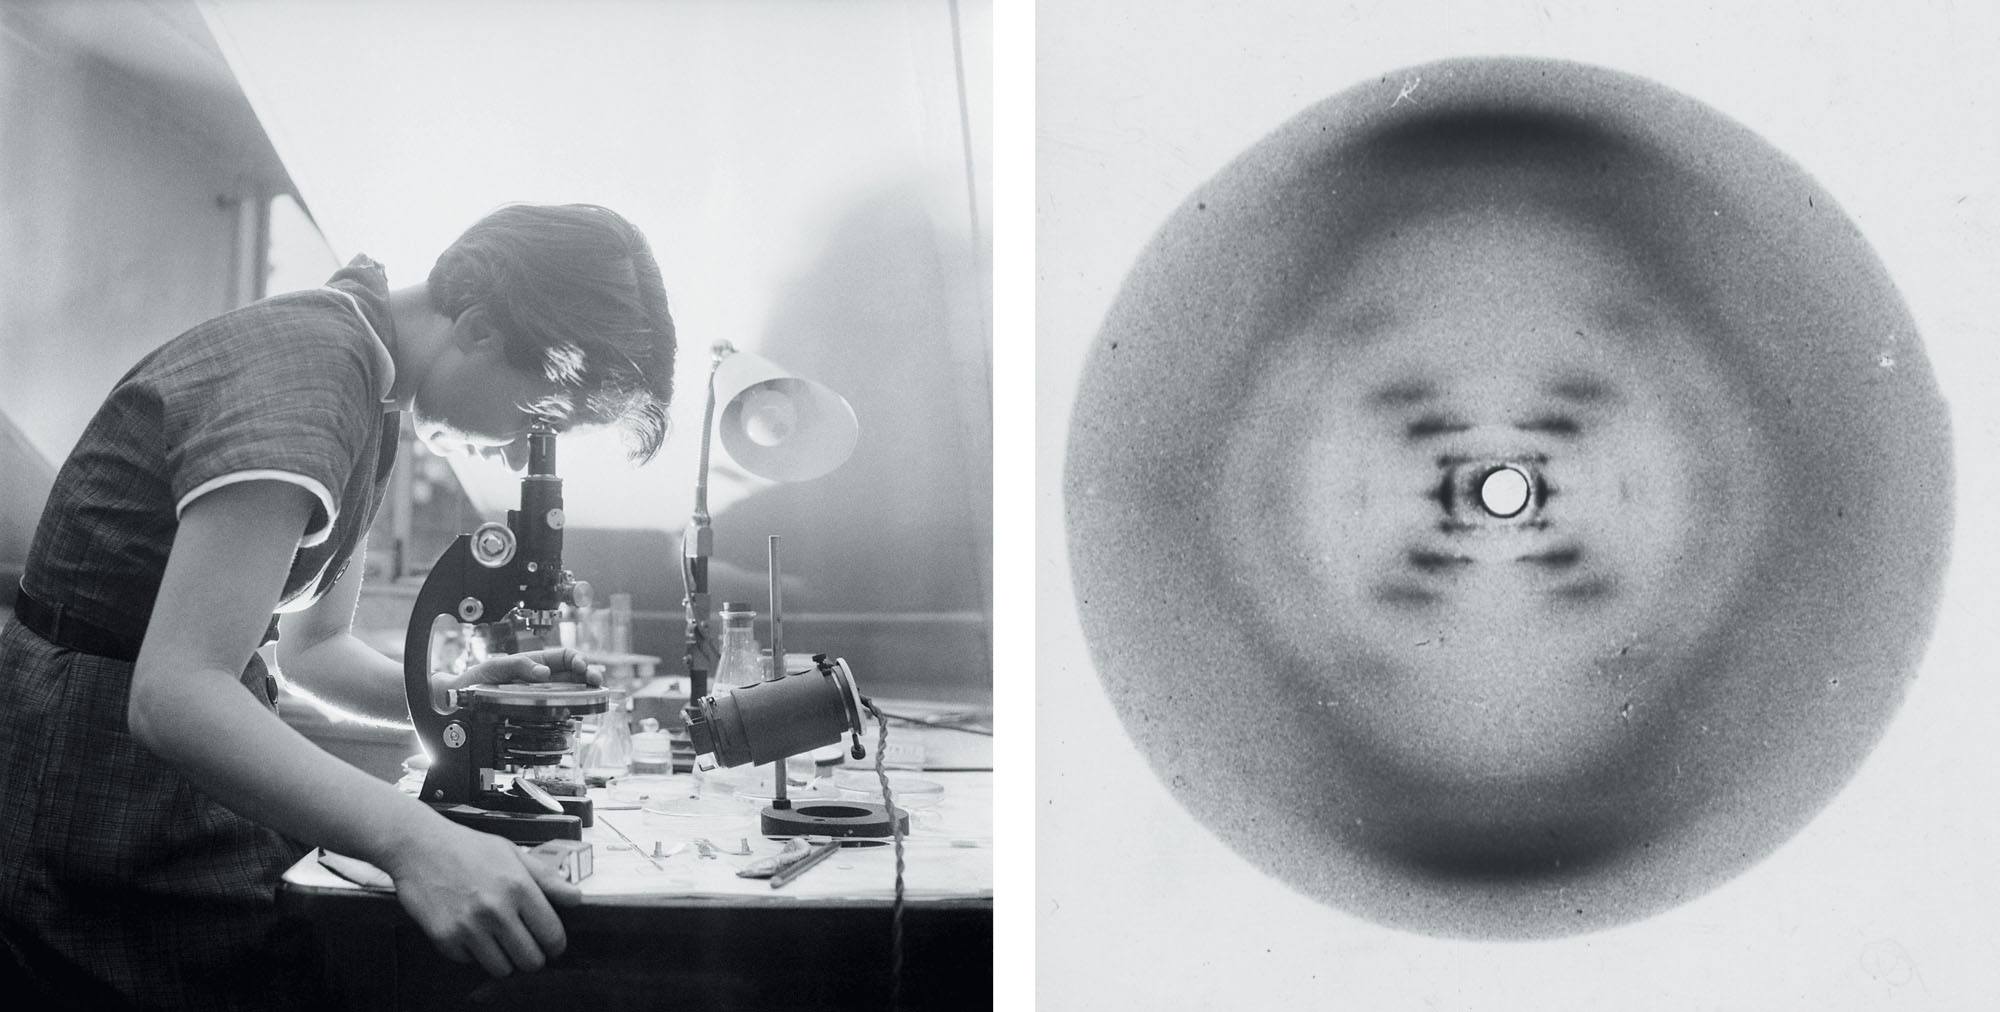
835, 818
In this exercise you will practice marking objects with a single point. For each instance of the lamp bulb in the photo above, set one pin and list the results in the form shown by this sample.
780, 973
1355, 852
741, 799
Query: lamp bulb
769, 416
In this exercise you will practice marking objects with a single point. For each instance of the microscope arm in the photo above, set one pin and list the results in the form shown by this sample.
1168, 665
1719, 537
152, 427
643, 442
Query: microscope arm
451, 589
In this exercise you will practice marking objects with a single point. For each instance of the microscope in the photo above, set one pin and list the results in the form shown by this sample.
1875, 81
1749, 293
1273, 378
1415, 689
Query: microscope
503, 584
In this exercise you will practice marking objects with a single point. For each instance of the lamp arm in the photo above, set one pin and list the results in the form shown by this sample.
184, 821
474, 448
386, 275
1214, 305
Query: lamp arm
697, 544
719, 351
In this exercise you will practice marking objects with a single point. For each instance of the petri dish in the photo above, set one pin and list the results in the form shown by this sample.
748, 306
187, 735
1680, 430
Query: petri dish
694, 807
639, 789
908, 791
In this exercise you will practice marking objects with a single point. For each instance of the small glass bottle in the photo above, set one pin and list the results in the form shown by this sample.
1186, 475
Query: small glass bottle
620, 625
610, 750
652, 750
741, 661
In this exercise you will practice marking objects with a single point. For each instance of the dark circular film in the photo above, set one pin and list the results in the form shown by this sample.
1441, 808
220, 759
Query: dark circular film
1510, 514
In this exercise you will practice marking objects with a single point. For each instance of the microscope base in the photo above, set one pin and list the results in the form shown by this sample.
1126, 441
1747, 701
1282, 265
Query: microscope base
520, 827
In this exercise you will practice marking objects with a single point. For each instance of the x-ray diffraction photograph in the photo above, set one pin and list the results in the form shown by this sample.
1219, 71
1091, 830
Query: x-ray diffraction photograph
1503, 502
1572, 470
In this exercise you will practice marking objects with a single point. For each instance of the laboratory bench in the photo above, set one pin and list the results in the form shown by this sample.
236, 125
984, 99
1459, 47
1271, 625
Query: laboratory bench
662, 926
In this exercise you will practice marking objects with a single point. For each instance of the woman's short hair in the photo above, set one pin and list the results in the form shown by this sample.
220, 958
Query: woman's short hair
577, 298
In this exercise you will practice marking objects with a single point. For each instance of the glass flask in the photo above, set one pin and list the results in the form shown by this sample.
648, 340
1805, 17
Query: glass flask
741, 661
611, 747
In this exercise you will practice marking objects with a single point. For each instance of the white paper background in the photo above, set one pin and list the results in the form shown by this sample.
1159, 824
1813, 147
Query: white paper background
1888, 898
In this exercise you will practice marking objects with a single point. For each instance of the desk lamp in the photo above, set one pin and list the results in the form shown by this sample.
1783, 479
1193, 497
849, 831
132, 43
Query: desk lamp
784, 428
776, 426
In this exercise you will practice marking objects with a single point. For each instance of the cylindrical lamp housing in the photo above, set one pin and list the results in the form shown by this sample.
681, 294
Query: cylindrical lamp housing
768, 721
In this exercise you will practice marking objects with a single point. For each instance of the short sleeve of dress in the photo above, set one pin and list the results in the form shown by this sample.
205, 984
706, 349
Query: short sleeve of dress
285, 393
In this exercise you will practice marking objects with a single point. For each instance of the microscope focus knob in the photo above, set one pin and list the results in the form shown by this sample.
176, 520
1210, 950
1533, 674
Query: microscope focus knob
493, 545
580, 593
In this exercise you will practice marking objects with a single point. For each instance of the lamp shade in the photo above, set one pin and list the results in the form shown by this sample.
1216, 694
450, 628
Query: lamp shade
780, 426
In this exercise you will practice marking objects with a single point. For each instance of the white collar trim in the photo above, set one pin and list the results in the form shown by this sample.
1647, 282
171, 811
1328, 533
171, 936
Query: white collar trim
385, 365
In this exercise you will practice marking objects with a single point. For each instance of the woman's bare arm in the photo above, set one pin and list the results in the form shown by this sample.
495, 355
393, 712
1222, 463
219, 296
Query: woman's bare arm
321, 656
475, 894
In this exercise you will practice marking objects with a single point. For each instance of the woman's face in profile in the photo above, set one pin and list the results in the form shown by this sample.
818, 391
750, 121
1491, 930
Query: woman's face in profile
1490, 456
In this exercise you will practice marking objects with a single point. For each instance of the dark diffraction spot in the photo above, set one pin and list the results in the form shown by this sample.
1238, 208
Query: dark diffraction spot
1551, 425
1518, 856
1591, 591
1444, 493
1582, 389
1429, 561
1431, 426
1564, 557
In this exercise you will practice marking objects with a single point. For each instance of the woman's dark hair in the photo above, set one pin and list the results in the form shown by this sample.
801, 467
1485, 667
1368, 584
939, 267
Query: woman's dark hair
577, 297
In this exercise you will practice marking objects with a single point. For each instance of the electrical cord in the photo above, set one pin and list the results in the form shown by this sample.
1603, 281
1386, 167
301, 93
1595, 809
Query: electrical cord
937, 722
896, 833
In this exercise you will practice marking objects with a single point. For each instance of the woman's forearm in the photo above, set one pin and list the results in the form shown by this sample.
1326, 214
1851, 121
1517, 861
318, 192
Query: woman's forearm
189, 705
341, 672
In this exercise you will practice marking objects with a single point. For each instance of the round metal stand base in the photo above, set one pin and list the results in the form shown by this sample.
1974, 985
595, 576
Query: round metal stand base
833, 818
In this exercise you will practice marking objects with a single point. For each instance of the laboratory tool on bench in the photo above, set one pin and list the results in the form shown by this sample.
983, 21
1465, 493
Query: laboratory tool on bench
652, 750
504, 587
786, 714
783, 428
773, 424
741, 662
609, 751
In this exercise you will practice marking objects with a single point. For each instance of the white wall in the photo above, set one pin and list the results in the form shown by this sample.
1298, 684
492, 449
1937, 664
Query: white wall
117, 219
119, 214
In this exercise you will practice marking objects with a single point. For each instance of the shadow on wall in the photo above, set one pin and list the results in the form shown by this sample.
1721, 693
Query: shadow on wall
29, 478
898, 541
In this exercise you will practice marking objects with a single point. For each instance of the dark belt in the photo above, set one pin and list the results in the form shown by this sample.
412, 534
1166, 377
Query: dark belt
56, 624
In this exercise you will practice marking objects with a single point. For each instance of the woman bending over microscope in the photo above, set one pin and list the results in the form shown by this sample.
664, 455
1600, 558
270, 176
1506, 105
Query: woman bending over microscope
154, 796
